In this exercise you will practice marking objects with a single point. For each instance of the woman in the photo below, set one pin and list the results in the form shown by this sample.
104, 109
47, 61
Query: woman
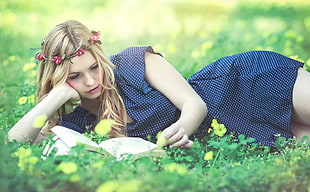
260, 94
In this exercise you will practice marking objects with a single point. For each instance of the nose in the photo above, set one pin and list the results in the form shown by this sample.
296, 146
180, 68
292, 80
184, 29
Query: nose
89, 80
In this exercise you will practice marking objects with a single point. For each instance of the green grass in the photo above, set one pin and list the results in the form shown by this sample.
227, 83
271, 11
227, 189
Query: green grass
190, 34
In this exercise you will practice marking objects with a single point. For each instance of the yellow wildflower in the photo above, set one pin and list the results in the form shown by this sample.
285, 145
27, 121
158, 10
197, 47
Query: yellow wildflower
67, 167
74, 178
31, 99
22, 152
175, 168
109, 186
40, 121
22, 100
104, 127
29, 66
208, 156
219, 129
97, 165
161, 141
25, 160
129, 186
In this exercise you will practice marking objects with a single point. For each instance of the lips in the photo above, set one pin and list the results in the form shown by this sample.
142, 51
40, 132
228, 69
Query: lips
94, 90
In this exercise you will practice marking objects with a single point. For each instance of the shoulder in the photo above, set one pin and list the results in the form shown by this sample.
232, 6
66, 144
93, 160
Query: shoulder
132, 52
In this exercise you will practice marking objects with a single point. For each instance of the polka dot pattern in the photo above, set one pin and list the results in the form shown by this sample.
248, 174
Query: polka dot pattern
251, 93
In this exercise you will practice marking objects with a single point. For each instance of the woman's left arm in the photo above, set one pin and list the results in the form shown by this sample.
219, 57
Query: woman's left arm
167, 80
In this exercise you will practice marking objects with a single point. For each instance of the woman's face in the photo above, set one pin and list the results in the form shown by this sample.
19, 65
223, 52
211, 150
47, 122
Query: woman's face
84, 76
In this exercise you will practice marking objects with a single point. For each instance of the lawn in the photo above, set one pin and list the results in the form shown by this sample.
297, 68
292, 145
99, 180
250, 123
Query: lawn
190, 35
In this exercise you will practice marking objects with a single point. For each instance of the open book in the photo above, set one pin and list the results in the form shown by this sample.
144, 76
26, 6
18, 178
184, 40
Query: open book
119, 147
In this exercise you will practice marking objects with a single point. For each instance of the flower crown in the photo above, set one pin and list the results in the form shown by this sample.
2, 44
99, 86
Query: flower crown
40, 56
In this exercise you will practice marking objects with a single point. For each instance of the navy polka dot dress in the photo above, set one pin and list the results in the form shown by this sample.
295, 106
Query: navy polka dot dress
251, 93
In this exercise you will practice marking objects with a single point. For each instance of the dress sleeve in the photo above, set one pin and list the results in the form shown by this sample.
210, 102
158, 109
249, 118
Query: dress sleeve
130, 67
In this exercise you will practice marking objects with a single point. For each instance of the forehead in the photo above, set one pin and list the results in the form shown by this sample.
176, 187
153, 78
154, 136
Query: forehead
80, 62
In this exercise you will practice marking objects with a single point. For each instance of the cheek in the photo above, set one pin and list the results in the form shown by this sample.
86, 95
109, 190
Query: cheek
74, 84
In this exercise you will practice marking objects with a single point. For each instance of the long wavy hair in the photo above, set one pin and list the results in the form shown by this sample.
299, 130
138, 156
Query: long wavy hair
67, 38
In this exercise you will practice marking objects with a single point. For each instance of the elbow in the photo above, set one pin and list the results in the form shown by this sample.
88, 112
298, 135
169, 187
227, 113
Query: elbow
204, 108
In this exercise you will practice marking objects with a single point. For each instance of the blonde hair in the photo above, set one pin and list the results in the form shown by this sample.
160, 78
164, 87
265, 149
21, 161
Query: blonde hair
66, 38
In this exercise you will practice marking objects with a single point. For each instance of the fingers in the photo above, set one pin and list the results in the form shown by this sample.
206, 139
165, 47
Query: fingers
174, 136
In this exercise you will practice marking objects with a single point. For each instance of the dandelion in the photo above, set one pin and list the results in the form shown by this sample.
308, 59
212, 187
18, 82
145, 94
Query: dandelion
175, 168
104, 127
67, 167
40, 121
22, 100
219, 129
208, 156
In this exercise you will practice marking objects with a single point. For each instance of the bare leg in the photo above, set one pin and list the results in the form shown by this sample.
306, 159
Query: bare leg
301, 105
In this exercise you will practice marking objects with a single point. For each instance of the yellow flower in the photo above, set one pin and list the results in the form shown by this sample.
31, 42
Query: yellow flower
109, 186
29, 66
67, 167
161, 141
219, 129
33, 160
208, 156
22, 100
175, 168
39, 122
74, 178
104, 127
129, 186
22, 152
25, 160
97, 165
31, 99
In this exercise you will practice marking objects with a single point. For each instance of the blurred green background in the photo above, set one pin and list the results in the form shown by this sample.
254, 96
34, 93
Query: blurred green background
189, 33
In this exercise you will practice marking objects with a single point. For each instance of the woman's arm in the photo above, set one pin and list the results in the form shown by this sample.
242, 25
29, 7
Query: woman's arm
164, 78
23, 131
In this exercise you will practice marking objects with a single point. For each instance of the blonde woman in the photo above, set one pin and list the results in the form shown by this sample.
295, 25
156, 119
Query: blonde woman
260, 94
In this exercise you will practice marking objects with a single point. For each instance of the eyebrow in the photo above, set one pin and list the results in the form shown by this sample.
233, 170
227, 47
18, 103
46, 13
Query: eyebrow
95, 62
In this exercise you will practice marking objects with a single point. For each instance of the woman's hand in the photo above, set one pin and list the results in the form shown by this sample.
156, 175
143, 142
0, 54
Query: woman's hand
175, 136
164, 78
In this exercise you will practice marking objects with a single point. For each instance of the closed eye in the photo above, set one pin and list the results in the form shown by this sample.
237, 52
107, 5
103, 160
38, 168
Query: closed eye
93, 67
74, 76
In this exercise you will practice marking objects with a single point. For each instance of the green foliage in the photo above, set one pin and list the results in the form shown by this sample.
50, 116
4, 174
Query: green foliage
190, 34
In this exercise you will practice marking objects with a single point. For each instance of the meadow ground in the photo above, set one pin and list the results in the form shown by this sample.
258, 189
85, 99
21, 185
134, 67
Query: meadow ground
190, 34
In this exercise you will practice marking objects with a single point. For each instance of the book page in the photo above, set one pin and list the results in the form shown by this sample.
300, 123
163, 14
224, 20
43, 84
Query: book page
72, 138
127, 145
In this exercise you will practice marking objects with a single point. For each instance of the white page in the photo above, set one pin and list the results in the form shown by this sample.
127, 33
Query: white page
126, 145
72, 138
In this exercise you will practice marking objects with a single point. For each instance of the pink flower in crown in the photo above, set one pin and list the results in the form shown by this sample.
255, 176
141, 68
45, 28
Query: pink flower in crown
41, 56
80, 52
95, 39
57, 60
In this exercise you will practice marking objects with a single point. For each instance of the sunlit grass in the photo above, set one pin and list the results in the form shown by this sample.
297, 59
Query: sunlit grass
190, 35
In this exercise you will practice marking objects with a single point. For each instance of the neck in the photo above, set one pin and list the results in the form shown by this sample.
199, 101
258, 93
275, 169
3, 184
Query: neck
91, 105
